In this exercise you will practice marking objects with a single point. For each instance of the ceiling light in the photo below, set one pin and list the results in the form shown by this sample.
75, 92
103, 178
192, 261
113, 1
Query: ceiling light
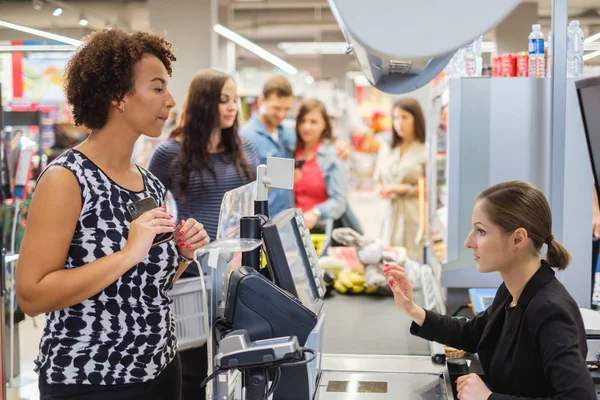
256, 49
37, 32
83, 21
26, 48
592, 38
57, 11
37, 4
297, 48
591, 55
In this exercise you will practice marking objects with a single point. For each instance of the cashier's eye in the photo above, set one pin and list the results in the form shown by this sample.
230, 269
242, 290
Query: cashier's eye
481, 232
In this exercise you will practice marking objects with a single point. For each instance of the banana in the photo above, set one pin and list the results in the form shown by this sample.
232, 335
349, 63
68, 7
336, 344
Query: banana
357, 278
345, 279
357, 289
370, 289
339, 287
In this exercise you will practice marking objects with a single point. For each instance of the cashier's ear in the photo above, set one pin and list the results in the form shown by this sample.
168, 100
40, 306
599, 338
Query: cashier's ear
519, 238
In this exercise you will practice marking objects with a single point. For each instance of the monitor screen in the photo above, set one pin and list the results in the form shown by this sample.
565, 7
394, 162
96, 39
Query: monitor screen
291, 256
588, 93
294, 253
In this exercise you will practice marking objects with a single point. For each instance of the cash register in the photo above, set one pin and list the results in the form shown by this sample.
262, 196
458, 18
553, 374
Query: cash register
286, 307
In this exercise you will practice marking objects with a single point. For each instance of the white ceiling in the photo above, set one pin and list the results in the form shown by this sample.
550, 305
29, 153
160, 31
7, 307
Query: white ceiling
267, 22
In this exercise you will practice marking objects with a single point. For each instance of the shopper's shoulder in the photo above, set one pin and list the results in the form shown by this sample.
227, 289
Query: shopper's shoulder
249, 128
170, 146
328, 148
72, 160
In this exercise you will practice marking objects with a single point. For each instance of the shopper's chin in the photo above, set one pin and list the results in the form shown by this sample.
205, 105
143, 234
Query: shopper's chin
227, 124
152, 133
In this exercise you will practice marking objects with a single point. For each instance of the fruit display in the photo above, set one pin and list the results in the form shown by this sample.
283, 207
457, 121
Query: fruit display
352, 282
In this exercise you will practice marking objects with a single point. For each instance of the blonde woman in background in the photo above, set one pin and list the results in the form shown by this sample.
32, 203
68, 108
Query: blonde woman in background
399, 166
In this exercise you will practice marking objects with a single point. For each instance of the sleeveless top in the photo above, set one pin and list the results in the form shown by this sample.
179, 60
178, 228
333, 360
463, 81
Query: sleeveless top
125, 333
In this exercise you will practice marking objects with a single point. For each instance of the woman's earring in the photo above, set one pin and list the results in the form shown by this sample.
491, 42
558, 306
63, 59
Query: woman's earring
121, 109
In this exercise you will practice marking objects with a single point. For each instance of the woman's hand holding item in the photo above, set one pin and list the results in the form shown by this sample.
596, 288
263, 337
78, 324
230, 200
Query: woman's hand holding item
311, 218
344, 149
144, 229
471, 387
190, 237
403, 293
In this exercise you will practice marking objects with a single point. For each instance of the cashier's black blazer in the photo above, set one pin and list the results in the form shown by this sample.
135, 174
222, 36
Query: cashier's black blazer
539, 354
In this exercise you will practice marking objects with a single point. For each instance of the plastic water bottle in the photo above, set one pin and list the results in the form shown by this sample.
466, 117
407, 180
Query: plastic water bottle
472, 58
455, 67
537, 60
574, 50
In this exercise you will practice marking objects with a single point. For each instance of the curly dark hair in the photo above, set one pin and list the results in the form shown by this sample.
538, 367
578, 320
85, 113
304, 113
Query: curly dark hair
102, 71
200, 117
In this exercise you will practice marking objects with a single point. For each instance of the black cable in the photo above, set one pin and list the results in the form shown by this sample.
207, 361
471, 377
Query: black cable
303, 350
212, 376
275, 382
277, 364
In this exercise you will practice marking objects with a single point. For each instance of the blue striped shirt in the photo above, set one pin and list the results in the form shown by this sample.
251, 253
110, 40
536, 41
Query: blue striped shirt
203, 201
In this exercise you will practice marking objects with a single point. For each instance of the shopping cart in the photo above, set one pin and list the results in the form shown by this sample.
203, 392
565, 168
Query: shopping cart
190, 312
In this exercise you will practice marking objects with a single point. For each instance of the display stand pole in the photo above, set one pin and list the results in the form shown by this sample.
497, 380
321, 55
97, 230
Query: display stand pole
3, 175
11, 293
560, 15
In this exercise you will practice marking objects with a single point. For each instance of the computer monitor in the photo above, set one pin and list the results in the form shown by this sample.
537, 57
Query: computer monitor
588, 94
292, 259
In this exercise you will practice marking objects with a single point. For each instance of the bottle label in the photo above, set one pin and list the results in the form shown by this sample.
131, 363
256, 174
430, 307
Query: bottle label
532, 46
540, 44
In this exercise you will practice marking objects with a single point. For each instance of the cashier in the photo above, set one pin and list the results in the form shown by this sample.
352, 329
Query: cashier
531, 341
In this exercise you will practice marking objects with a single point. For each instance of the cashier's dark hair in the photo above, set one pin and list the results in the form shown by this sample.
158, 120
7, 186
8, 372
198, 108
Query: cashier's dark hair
199, 117
412, 107
102, 71
515, 204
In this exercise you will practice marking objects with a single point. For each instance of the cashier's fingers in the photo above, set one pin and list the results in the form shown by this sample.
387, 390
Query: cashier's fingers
396, 275
463, 381
392, 267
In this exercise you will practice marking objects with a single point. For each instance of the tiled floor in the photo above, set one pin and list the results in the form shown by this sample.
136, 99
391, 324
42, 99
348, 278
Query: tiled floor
356, 325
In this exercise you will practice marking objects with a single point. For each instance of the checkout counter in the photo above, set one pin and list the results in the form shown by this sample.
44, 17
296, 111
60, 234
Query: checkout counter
274, 335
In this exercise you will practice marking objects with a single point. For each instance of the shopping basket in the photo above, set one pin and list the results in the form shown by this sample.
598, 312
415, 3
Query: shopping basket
189, 312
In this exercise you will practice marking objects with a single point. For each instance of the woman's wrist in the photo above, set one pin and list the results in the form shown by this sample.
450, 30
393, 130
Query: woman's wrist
184, 259
417, 314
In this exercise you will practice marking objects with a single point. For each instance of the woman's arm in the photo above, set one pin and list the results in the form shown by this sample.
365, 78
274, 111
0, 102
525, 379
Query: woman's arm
42, 282
461, 334
565, 368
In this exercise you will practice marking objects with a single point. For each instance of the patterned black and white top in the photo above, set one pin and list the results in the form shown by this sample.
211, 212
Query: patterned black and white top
124, 334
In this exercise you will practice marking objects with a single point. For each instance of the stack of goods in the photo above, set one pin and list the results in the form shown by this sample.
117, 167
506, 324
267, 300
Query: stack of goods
511, 65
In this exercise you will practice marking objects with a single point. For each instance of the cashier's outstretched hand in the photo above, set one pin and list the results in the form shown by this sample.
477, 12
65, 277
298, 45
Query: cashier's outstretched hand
190, 236
403, 292
471, 387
